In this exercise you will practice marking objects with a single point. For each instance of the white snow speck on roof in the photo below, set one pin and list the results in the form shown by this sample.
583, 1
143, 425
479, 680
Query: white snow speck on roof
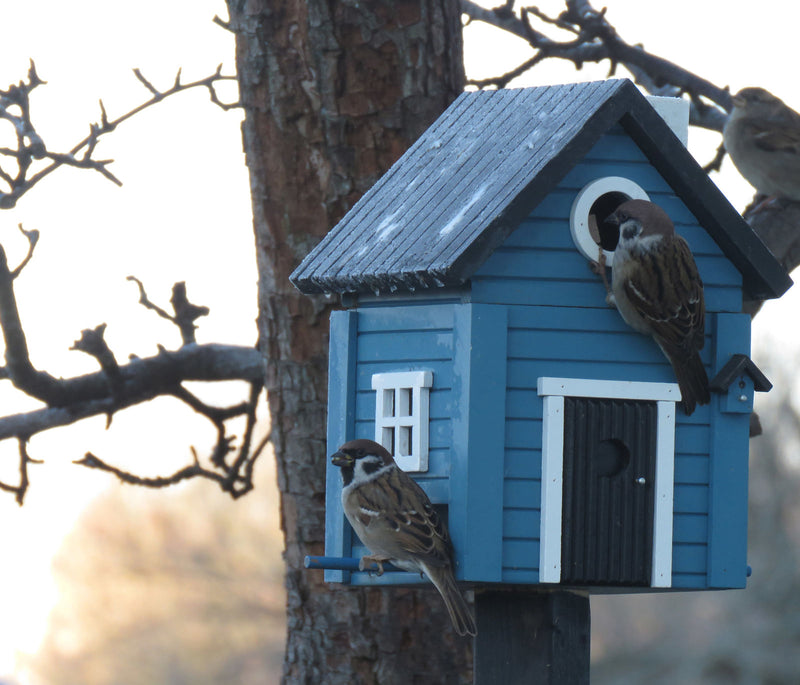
386, 227
456, 220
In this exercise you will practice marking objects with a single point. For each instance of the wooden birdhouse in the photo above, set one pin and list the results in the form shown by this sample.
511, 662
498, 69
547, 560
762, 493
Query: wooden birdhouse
476, 345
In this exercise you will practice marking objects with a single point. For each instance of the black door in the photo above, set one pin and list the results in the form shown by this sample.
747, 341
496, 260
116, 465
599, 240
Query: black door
609, 469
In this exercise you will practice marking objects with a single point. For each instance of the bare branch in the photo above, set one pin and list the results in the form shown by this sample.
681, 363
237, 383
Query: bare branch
224, 24
193, 471
236, 480
141, 380
145, 301
716, 163
503, 80
20, 489
153, 90
93, 343
33, 238
185, 315
216, 415
597, 40
115, 387
18, 365
246, 459
31, 148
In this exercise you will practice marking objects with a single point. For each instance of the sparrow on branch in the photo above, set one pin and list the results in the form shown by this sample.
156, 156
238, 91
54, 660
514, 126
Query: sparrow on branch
762, 136
394, 518
657, 289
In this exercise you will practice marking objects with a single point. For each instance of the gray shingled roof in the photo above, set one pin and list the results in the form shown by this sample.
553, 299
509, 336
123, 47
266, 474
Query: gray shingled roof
491, 157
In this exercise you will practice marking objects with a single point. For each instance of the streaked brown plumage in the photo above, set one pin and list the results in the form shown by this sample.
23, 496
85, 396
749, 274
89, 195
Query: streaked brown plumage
395, 519
657, 289
762, 136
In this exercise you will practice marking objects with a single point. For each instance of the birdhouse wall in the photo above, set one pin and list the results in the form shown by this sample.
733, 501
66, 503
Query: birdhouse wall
463, 345
380, 339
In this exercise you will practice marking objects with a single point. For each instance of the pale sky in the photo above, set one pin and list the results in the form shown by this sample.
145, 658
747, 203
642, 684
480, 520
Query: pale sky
183, 214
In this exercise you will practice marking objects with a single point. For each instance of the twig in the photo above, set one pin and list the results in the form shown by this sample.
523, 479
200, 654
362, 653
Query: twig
235, 480
185, 315
193, 471
15, 107
24, 459
18, 364
716, 163
32, 237
93, 343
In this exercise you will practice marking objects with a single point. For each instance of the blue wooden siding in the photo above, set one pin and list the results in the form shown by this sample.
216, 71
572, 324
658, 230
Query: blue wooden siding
477, 480
407, 338
728, 464
341, 428
539, 264
590, 343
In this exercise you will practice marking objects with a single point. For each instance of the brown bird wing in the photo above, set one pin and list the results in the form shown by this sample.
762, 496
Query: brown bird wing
399, 512
774, 137
672, 303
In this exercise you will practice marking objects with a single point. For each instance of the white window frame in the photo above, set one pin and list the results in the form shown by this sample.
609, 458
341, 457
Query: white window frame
553, 391
402, 431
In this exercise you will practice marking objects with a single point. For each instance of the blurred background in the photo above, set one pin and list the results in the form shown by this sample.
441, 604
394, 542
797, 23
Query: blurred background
102, 583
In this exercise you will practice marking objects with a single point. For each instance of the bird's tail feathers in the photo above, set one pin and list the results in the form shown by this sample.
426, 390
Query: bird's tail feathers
460, 612
693, 382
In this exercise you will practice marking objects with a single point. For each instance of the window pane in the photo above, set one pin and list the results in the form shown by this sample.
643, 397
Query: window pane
388, 439
405, 402
388, 402
404, 443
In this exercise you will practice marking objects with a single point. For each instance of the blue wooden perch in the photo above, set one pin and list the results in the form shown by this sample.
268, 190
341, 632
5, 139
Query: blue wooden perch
345, 564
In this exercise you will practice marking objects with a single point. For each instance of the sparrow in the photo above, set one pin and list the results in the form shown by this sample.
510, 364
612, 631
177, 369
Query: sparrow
762, 136
656, 287
395, 519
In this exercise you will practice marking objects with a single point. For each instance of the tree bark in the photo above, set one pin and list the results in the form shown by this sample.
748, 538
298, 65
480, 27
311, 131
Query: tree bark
334, 92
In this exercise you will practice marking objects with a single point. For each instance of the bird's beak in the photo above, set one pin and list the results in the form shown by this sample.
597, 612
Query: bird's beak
342, 459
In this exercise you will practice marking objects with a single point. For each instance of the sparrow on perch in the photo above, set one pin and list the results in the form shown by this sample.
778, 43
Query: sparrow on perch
394, 518
657, 289
762, 136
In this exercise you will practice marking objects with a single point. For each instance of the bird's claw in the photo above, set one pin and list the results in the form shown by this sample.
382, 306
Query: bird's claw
599, 267
367, 561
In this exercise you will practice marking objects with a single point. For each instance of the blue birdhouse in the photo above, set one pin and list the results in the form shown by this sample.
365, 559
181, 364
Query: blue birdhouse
476, 345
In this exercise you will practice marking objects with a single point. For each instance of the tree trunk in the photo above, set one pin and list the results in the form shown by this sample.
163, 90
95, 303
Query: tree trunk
334, 92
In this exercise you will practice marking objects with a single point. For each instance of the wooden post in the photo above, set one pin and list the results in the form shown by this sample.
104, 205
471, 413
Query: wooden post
526, 637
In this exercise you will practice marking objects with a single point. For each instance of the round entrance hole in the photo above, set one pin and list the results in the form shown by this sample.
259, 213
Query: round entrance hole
604, 233
594, 203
